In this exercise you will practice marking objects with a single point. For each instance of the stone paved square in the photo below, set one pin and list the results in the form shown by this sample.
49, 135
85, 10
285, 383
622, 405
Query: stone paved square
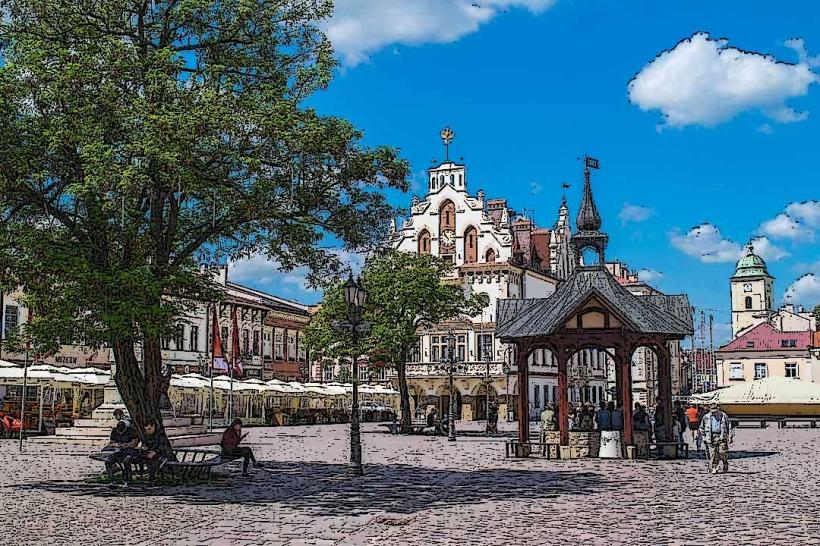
420, 490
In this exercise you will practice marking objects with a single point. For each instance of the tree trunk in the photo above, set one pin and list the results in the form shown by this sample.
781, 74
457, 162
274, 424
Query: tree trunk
135, 388
404, 392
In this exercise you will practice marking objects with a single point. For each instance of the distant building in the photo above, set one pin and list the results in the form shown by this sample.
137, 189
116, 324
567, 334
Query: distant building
766, 342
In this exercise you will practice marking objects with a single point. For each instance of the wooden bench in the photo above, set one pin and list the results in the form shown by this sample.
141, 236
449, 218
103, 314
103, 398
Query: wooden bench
679, 447
784, 421
395, 428
189, 463
513, 447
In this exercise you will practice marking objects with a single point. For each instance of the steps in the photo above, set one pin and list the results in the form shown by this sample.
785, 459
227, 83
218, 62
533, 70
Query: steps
185, 440
106, 433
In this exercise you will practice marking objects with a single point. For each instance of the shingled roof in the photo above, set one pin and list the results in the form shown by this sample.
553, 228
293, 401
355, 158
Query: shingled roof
662, 314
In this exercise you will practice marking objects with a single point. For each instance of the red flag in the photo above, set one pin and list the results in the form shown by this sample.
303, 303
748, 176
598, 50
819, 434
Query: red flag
235, 354
218, 363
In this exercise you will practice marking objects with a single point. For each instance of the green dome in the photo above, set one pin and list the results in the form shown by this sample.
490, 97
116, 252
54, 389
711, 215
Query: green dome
751, 265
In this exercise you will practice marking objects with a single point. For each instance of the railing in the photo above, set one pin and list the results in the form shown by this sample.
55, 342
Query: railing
464, 369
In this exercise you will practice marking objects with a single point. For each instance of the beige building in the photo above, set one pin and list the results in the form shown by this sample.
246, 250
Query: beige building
767, 343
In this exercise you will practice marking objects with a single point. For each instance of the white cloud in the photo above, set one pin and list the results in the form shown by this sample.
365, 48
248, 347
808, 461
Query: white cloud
807, 212
706, 243
361, 27
804, 291
263, 274
703, 81
799, 46
649, 275
765, 128
770, 252
634, 213
784, 226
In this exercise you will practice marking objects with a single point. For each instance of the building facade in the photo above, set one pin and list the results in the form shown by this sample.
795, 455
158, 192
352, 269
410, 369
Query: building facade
494, 251
766, 342
271, 335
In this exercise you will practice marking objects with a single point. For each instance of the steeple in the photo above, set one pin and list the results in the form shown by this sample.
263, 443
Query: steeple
588, 222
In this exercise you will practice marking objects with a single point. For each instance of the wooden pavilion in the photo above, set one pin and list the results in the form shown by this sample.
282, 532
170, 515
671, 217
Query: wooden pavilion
591, 310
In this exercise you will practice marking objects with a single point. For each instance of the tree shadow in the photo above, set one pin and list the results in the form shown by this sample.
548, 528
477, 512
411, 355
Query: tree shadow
330, 490
740, 454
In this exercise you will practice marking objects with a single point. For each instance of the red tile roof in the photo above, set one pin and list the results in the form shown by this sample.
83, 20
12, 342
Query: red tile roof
764, 337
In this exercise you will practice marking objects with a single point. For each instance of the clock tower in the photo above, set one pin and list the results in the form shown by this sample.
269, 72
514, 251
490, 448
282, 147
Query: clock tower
751, 292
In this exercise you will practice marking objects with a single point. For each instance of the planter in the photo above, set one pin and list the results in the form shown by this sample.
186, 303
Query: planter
584, 444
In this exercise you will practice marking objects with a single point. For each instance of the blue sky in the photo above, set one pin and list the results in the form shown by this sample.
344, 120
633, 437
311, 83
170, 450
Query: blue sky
530, 85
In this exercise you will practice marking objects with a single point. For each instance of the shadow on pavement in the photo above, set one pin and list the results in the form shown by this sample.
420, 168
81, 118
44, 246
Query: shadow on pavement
735, 454
329, 490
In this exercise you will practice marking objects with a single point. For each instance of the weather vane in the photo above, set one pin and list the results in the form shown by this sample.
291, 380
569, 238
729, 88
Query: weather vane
447, 135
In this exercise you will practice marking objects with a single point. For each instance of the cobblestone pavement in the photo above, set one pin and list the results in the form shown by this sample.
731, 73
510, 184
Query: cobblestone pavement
419, 490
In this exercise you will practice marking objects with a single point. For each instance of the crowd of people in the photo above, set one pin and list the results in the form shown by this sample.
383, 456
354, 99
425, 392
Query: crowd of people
712, 428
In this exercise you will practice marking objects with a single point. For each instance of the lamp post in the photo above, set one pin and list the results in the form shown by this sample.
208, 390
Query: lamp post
488, 356
355, 298
450, 362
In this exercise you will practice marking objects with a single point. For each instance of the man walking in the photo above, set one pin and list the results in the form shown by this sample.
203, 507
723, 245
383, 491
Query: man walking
693, 418
717, 433
548, 423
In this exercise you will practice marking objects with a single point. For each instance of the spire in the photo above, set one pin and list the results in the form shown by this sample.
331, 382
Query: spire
588, 218
535, 259
588, 222
517, 251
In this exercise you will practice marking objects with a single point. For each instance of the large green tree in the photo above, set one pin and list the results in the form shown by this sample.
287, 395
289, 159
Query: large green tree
404, 292
136, 134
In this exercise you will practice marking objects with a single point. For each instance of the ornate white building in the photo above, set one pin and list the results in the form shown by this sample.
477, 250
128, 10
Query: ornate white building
494, 251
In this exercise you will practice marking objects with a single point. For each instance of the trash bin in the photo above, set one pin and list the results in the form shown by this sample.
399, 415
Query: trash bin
610, 444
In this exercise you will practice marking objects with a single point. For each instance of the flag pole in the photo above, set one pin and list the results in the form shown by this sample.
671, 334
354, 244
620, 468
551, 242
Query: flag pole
209, 350
23, 399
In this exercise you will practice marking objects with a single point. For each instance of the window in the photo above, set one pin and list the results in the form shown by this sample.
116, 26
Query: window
736, 370
750, 344
12, 320
414, 352
225, 340
748, 302
424, 242
760, 370
291, 345
484, 344
537, 396
279, 345
165, 341
786, 343
792, 370
246, 341
470, 245
554, 393
256, 342
490, 256
302, 349
438, 348
453, 180
193, 340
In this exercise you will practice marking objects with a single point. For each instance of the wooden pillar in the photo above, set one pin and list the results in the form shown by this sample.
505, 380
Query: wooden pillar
563, 396
523, 393
664, 403
623, 357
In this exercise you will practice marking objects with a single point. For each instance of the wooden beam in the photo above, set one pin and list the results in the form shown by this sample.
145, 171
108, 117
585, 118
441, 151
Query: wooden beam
523, 393
563, 396
664, 387
624, 360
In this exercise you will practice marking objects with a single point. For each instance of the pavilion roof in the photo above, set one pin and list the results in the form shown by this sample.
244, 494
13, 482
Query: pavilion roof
658, 314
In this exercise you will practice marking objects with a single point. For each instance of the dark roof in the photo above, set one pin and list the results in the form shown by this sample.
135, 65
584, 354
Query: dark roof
544, 316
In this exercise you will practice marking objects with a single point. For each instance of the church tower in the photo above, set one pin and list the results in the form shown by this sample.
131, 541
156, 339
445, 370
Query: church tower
751, 291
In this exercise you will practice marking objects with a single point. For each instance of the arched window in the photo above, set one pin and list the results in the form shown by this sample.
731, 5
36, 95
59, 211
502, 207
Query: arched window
447, 218
433, 182
453, 180
460, 180
424, 242
470, 245
490, 256
441, 179
748, 302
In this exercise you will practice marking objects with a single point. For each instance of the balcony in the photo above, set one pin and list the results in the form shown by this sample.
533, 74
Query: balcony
462, 369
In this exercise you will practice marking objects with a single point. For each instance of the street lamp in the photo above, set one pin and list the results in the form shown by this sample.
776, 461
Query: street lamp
450, 362
355, 297
488, 356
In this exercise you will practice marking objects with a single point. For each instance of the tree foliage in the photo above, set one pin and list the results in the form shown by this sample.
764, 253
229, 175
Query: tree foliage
136, 135
404, 291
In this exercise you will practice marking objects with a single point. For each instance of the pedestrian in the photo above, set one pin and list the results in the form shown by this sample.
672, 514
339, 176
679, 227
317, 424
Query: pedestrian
641, 427
693, 420
603, 417
419, 412
492, 417
231, 448
548, 423
571, 417
617, 415
587, 417
680, 418
716, 430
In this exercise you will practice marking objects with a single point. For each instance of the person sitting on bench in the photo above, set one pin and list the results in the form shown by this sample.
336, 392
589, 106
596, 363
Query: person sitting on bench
123, 442
149, 450
230, 446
